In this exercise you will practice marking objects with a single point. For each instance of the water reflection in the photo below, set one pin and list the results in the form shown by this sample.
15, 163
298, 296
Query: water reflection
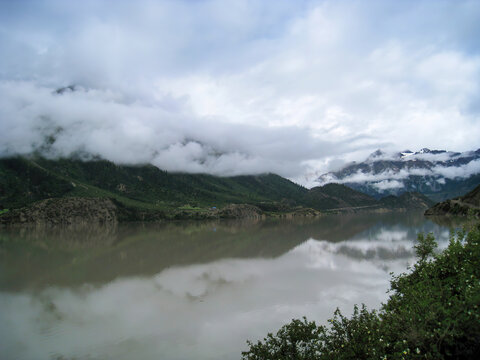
189, 290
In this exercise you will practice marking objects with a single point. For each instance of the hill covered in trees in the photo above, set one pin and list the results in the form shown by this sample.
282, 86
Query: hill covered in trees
145, 192
462, 205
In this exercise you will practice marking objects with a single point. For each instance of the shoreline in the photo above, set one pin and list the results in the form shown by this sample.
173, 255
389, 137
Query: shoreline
76, 210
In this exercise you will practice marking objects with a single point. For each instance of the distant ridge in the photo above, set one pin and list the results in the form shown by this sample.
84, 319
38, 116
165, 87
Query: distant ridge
337, 196
438, 174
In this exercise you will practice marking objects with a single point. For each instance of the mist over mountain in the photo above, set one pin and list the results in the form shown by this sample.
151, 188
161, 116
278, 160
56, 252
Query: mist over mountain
89, 123
439, 174
237, 87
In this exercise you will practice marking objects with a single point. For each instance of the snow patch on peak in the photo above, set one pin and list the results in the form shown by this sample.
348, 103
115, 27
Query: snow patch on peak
406, 153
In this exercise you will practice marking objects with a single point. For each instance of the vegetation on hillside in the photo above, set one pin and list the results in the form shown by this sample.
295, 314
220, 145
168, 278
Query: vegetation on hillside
460, 206
337, 196
146, 192
26, 180
23, 182
409, 200
432, 313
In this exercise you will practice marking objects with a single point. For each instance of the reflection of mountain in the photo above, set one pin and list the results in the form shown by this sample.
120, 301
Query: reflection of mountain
199, 311
390, 238
39, 256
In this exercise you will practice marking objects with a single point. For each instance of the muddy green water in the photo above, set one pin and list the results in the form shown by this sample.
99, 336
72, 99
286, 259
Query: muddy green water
190, 290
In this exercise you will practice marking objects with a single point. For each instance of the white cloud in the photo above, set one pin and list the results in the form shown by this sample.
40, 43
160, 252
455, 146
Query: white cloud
393, 179
308, 77
105, 123
463, 171
388, 185
385, 177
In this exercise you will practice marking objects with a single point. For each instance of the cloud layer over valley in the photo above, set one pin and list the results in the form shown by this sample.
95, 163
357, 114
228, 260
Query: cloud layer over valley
88, 123
236, 87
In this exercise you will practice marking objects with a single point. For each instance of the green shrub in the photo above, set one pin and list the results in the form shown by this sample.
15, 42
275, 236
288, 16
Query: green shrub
432, 313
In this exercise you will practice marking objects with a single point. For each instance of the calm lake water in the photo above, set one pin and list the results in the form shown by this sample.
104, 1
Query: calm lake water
190, 290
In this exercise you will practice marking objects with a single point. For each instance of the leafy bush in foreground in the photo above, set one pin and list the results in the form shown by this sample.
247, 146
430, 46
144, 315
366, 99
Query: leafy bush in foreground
432, 313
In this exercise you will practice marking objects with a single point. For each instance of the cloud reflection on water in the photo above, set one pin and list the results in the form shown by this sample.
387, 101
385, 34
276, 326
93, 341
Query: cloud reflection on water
206, 310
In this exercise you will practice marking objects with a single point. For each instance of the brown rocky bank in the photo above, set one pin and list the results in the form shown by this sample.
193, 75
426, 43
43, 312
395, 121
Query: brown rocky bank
64, 211
78, 211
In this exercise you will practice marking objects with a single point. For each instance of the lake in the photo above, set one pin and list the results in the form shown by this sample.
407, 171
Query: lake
191, 290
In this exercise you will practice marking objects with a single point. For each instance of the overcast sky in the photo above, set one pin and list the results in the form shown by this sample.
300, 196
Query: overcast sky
235, 87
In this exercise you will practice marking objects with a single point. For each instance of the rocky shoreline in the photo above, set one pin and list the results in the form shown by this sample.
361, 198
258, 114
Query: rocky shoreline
76, 210
64, 211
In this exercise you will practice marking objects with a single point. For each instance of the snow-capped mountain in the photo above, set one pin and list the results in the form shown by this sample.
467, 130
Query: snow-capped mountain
438, 174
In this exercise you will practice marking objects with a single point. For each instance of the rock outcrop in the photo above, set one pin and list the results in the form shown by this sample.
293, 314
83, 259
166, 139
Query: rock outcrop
64, 211
240, 211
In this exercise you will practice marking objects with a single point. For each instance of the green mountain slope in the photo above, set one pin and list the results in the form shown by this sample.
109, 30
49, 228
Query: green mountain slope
23, 181
408, 200
146, 192
26, 180
337, 196
463, 205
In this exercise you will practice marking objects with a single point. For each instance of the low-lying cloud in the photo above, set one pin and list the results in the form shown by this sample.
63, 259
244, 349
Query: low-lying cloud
238, 87
88, 123
393, 178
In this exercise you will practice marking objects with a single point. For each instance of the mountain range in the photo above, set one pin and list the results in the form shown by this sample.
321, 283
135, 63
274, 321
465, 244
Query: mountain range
44, 187
438, 174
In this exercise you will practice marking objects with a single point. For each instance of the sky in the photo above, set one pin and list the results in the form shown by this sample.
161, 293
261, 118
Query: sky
232, 87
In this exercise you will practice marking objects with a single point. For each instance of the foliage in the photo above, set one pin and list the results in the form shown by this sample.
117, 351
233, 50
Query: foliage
147, 189
332, 196
432, 313
296, 340
25, 180
189, 207
425, 246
